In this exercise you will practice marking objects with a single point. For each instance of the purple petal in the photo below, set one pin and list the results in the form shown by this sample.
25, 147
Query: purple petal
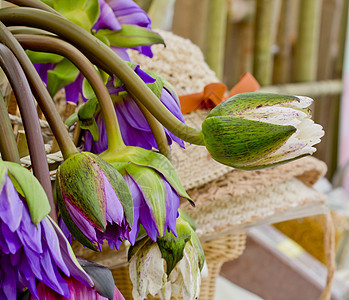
53, 245
65, 230
12, 241
84, 226
8, 285
107, 18
121, 52
115, 211
11, 206
172, 205
42, 70
74, 90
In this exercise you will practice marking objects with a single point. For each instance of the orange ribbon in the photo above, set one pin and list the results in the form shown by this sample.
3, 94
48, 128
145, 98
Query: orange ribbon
214, 93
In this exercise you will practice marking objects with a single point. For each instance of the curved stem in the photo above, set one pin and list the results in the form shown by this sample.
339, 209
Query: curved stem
40, 92
34, 4
8, 147
104, 57
21, 88
57, 46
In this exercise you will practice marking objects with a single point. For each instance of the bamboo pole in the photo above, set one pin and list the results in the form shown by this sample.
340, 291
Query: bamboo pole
215, 35
189, 20
328, 44
282, 59
262, 63
305, 64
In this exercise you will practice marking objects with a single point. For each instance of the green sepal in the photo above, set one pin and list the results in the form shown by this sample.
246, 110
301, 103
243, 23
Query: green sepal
79, 179
99, 35
86, 117
157, 161
29, 187
3, 173
240, 103
82, 12
71, 119
87, 90
69, 222
119, 185
43, 57
117, 82
154, 192
198, 247
63, 74
172, 247
184, 216
131, 36
133, 250
48, 2
156, 86
236, 142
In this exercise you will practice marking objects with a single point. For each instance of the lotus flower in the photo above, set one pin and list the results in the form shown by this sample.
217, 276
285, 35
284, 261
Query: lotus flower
134, 127
77, 291
29, 252
170, 268
253, 131
155, 188
94, 200
113, 14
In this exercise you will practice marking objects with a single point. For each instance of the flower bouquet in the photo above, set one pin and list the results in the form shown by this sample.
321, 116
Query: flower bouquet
116, 184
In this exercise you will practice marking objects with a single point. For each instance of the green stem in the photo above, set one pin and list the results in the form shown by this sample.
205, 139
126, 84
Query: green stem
40, 92
107, 59
57, 46
8, 147
34, 4
21, 88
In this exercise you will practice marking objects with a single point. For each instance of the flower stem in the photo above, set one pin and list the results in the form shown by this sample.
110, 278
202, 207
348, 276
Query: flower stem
40, 92
107, 59
57, 46
8, 147
34, 4
21, 88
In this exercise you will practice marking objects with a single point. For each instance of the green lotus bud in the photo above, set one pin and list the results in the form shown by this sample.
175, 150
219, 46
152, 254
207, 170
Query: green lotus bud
253, 131
94, 200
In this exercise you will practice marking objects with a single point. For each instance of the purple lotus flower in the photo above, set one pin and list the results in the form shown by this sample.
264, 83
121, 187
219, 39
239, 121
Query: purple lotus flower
114, 13
97, 204
155, 189
29, 253
133, 125
77, 290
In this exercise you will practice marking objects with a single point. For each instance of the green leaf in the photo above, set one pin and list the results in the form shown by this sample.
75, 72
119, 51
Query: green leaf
86, 117
28, 186
42, 57
82, 12
131, 36
63, 74
154, 192
172, 248
238, 142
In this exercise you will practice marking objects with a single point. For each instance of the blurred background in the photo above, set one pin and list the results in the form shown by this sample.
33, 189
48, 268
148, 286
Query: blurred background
290, 46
